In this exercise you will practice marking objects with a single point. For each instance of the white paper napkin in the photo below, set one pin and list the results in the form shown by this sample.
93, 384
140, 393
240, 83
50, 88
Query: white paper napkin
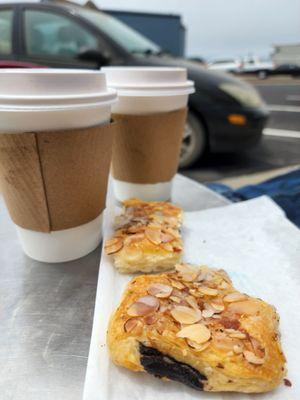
258, 247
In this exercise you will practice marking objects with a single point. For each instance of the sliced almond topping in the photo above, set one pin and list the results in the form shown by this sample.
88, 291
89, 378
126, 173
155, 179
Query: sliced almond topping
156, 226
202, 276
237, 349
132, 323
186, 269
167, 246
163, 307
113, 245
171, 221
210, 276
251, 358
173, 232
198, 333
247, 307
208, 291
186, 315
170, 211
195, 293
237, 335
224, 275
178, 293
175, 299
121, 220
230, 330
223, 285
187, 272
207, 313
135, 238
196, 346
192, 302
143, 306
153, 235
167, 237
218, 307
150, 319
177, 284
257, 347
160, 290
136, 228
235, 296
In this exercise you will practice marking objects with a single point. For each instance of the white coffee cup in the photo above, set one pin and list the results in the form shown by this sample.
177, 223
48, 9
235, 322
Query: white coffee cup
53, 100
144, 91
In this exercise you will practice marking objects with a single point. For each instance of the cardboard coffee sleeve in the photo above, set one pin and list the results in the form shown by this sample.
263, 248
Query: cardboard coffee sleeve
55, 180
147, 147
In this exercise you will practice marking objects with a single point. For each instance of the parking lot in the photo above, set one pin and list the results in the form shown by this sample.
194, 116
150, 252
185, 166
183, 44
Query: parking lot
280, 145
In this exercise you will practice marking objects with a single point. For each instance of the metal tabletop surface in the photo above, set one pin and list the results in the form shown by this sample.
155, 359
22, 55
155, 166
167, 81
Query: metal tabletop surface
46, 311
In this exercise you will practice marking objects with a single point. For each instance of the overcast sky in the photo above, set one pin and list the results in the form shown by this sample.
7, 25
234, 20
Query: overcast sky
226, 28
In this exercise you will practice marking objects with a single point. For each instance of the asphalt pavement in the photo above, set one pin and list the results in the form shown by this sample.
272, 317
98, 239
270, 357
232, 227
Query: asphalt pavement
279, 148
283, 99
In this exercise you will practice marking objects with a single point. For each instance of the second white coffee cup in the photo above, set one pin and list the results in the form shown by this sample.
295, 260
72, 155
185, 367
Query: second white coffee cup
146, 91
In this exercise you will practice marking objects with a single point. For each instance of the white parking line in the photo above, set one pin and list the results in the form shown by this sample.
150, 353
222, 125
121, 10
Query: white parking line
281, 133
282, 108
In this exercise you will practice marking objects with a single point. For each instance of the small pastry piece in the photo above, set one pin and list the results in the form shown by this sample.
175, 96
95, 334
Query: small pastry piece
194, 327
147, 237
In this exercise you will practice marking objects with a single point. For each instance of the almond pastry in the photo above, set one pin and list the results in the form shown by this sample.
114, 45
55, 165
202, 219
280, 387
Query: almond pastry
188, 326
146, 237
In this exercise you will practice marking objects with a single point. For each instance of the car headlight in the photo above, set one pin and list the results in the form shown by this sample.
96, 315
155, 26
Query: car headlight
245, 95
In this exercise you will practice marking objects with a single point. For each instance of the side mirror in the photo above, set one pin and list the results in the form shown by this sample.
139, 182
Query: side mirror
94, 55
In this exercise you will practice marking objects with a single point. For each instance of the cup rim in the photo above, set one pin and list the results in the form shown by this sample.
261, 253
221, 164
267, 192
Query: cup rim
48, 71
155, 90
148, 81
47, 85
50, 108
62, 102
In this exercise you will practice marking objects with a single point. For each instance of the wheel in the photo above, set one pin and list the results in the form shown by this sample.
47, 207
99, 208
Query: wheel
262, 74
193, 142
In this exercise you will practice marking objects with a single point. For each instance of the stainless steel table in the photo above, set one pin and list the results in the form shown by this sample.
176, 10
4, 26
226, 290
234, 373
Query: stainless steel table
46, 311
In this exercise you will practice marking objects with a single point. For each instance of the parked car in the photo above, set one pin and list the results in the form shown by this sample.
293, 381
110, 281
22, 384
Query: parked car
225, 114
287, 69
266, 69
255, 66
233, 66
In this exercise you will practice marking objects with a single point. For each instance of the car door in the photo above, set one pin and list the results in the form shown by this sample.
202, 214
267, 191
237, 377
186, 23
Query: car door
6, 33
53, 38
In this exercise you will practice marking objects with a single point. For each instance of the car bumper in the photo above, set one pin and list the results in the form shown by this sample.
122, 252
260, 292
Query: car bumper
226, 137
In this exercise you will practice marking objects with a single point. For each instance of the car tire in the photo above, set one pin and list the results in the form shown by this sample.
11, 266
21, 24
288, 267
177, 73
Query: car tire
262, 74
194, 141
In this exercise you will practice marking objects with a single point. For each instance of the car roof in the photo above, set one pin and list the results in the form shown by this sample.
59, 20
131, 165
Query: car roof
59, 3
68, 6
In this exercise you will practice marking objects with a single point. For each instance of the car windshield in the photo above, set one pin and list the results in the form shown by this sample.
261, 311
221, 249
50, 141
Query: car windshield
123, 35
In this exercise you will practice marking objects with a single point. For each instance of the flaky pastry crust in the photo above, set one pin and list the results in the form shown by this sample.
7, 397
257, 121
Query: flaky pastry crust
193, 326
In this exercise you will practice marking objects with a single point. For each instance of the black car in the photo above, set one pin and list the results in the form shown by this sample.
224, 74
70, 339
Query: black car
287, 69
225, 114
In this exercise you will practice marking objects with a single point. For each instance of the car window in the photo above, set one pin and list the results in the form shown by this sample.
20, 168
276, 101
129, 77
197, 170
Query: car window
126, 37
54, 35
6, 18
